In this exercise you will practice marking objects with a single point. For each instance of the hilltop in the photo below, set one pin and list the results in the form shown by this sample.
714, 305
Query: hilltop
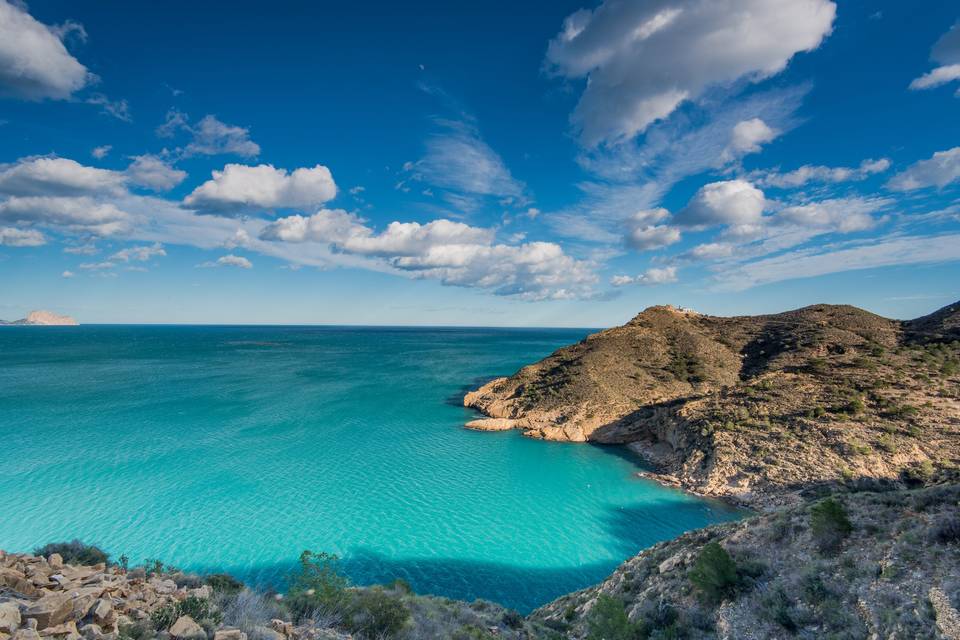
751, 408
43, 318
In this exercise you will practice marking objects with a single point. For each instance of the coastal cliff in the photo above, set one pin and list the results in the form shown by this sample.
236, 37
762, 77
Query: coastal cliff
751, 408
43, 318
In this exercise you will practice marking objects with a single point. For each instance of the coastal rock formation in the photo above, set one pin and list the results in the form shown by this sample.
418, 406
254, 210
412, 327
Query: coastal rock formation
890, 568
43, 318
749, 407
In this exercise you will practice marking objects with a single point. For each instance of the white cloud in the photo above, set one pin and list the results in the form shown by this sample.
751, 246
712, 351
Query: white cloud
97, 266
816, 173
44, 176
152, 172
730, 202
174, 121
457, 159
67, 274
139, 254
452, 252
229, 260
240, 188
946, 52
709, 251
209, 136
650, 277
747, 136
119, 109
13, 237
647, 238
81, 214
642, 60
840, 214
101, 152
809, 263
939, 171
34, 64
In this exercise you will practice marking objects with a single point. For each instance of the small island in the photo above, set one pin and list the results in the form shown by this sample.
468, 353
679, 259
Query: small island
42, 319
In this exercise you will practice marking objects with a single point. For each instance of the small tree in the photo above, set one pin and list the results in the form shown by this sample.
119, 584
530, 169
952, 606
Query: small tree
829, 525
714, 573
316, 586
608, 620
376, 614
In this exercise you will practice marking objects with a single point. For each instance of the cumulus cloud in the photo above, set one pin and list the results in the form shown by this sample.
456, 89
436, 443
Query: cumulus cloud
839, 214
139, 254
101, 152
13, 237
153, 173
642, 60
653, 276
649, 237
946, 52
45, 176
209, 136
241, 188
452, 252
82, 214
228, 260
34, 64
940, 170
747, 136
817, 173
730, 202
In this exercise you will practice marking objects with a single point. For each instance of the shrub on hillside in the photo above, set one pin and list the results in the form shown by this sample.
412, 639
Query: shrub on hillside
317, 586
714, 573
74, 552
829, 525
200, 609
374, 613
947, 529
608, 620
224, 583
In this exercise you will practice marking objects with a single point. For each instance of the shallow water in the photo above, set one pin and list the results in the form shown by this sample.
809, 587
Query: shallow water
234, 448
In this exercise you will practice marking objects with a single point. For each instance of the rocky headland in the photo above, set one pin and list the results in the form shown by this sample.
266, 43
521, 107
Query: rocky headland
43, 318
754, 409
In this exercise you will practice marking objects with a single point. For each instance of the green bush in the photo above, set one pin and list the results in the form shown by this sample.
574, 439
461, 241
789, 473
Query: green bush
224, 583
316, 586
714, 573
74, 552
376, 614
829, 524
200, 609
608, 620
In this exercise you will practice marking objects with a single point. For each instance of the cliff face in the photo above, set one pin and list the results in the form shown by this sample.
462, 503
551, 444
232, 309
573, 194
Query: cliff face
748, 407
893, 573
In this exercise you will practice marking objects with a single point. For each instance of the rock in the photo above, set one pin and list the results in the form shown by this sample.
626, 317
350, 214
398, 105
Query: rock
55, 561
66, 629
229, 634
103, 612
17, 581
9, 617
670, 563
203, 592
491, 424
166, 586
51, 610
281, 627
91, 631
266, 633
186, 629
26, 634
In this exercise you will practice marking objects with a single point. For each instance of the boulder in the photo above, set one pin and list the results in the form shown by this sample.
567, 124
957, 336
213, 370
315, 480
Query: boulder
229, 634
165, 586
103, 612
26, 634
186, 629
55, 560
280, 626
17, 581
51, 610
9, 616
68, 629
91, 631
266, 633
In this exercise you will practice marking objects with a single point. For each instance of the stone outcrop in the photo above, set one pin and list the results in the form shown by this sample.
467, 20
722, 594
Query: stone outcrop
751, 408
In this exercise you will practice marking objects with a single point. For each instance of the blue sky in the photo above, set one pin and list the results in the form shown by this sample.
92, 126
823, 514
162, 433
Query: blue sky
554, 163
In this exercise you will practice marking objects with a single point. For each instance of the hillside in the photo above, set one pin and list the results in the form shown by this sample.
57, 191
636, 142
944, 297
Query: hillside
861, 565
752, 407
42, 318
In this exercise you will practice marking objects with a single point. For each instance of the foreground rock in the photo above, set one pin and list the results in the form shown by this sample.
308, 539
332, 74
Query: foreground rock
895, 574
752, 408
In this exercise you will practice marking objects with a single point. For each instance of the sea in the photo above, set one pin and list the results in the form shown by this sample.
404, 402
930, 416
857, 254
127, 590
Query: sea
234, 448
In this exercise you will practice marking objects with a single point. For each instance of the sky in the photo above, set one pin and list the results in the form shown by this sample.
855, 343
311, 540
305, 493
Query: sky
476, 163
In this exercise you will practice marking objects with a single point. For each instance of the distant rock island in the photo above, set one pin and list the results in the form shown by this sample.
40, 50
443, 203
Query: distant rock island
756, 409
43, 319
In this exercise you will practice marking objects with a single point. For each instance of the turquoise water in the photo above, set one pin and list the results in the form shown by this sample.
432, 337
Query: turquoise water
234, 448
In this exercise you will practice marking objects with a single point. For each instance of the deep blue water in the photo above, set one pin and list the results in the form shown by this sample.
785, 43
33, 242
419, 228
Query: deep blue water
234, 448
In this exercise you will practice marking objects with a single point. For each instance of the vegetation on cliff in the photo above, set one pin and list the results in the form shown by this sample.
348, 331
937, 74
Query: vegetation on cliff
753, 408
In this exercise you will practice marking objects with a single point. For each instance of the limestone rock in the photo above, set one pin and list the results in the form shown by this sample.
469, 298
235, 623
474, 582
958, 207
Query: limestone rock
50, 610
55, 561
229, 634
9, 616
185, 628
26, 634
492, 424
